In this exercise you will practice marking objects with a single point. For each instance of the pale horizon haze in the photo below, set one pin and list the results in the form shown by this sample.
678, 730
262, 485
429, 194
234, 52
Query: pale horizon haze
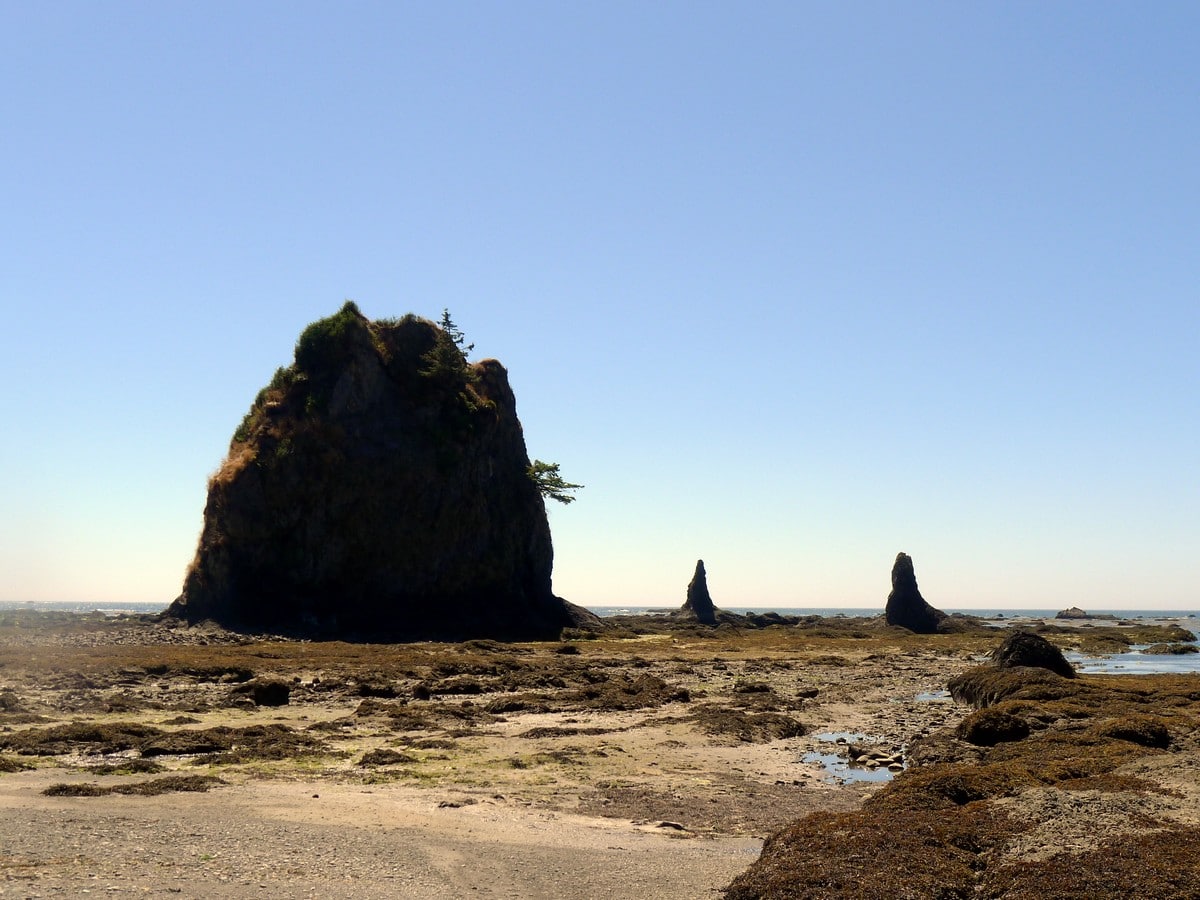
789, 287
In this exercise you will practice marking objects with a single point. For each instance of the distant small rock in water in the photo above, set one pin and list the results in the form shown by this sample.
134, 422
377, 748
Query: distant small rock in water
1171, 649
1024, 648
699, 602
905, 605
1073, 612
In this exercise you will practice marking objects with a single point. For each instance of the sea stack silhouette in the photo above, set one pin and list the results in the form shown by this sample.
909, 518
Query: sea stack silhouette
379, 489
905, 605
699, 603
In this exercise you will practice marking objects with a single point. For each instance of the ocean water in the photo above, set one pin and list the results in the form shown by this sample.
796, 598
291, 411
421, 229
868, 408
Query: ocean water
108, 607
116, 607
862, 611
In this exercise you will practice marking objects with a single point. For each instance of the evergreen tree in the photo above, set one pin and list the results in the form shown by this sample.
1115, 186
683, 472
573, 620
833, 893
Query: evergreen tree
546, 476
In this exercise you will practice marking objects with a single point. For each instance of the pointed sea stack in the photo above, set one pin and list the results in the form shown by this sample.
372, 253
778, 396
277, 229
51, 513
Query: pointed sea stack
378, 489
699, 603
905, 605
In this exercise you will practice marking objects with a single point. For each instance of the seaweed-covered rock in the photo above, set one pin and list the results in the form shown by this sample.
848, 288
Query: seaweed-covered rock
1024, 648
1144, 730
1171, 649
266, 691
378, 488
988, 727
905, 605
699, 604
385, 756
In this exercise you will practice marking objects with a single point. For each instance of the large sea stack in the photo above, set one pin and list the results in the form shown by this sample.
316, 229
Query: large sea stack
379, 488
905, 605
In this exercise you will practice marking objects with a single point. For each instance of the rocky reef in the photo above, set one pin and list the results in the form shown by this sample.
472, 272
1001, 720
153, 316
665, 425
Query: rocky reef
1052, 787
379, 488
905, 605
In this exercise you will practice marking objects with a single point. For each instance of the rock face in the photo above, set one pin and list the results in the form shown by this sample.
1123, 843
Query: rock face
699, 603
905, 605
378, 489
1024, 648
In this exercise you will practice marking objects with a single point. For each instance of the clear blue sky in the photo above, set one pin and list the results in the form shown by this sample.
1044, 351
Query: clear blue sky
791, 287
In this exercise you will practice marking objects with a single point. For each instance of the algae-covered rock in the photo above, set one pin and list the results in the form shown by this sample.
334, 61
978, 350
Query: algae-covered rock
988, 727
379, 488
1023, 648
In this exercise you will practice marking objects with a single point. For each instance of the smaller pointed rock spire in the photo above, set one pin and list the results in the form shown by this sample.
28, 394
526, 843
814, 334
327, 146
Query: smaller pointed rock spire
905, 605
699, 603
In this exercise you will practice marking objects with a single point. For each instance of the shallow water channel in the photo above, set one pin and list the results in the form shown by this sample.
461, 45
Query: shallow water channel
1135, 662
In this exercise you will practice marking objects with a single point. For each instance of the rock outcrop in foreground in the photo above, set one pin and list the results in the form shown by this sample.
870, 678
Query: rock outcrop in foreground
905, 605
1024, 648
379, 488
699, 603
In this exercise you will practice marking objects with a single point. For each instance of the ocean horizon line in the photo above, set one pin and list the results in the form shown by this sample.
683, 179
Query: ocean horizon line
607, 610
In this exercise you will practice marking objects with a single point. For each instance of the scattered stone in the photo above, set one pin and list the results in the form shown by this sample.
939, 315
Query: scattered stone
905, 605
873, 757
